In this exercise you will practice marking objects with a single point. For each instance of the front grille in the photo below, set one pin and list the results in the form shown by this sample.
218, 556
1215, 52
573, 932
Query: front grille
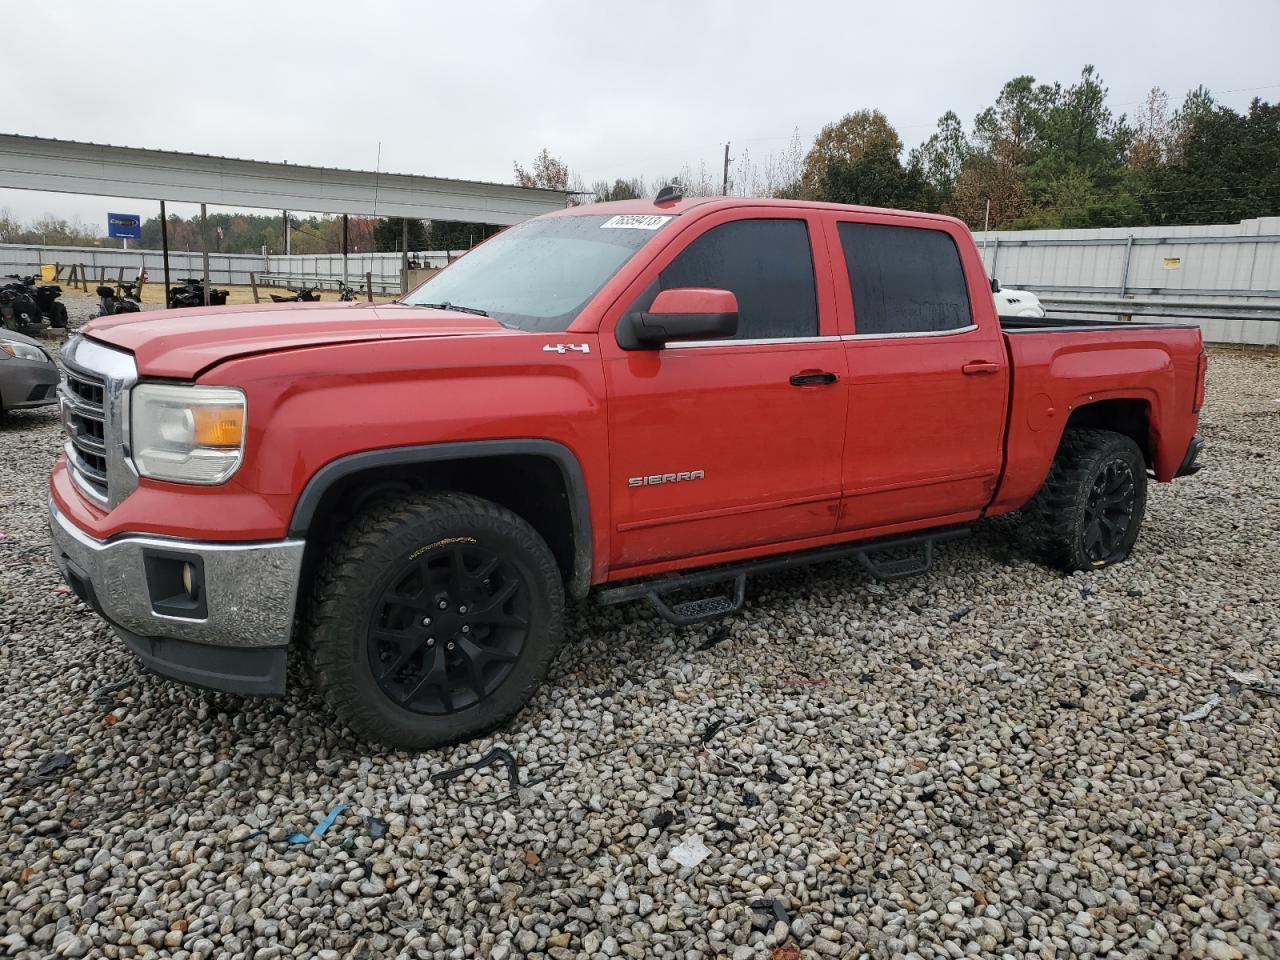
85, 422
94, 412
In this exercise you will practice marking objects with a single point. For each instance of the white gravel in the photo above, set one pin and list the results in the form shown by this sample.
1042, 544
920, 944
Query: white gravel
985, 761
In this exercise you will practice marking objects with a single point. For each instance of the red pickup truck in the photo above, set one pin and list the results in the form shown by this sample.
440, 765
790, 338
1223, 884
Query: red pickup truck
647, 399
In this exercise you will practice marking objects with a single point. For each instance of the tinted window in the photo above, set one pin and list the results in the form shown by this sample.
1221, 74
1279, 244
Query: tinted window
904, 279
768, 265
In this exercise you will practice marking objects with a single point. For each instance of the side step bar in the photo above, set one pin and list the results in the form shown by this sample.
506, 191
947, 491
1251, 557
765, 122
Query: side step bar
870, 553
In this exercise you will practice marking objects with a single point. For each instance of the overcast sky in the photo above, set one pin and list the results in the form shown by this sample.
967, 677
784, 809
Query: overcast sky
463, 89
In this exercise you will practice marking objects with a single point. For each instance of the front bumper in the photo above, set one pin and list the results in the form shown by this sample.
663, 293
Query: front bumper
237, 639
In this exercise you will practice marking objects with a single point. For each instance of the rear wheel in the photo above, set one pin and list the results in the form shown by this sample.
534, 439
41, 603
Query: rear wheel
1089, 511
434, 618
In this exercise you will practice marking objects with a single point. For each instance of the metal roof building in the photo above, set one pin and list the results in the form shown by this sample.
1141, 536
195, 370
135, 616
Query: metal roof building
67, 166
97, 169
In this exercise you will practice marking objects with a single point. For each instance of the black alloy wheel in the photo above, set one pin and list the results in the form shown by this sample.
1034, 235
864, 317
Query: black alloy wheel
1089, 511
1108, 511
448, 628
433, 618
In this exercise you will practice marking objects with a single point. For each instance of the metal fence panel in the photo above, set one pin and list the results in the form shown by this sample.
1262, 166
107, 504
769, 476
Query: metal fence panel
1229, 263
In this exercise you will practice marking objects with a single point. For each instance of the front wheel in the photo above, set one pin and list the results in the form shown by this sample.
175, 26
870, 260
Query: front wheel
433, 619
1089, 511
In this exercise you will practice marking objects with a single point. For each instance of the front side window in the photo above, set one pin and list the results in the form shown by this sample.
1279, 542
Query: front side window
538, 275
767, 264
905, 279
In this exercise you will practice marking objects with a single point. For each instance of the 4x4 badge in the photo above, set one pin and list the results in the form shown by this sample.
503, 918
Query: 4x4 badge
563, 347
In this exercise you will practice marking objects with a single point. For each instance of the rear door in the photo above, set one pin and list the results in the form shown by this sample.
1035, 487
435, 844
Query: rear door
928, 373
726, 444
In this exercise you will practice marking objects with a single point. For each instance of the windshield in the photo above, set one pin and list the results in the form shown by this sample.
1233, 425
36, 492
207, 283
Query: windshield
539, 274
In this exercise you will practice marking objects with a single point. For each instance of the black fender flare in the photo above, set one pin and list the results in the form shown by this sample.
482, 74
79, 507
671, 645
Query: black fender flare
304, 509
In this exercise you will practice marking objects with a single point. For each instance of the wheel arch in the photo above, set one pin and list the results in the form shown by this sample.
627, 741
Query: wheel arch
540, 480
1131, 416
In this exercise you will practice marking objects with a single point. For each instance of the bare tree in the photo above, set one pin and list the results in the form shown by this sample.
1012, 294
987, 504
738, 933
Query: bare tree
1153, 131
548, 172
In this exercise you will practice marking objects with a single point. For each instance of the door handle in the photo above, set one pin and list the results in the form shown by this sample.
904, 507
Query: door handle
980, 366
812, 379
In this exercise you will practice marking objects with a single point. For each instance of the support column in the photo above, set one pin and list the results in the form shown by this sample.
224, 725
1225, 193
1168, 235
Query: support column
164, 249
404, 255
344, 248
1124, 271
204, 249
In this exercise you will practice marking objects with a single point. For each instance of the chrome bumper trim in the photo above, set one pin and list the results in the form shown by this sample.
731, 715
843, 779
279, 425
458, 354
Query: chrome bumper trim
251, 588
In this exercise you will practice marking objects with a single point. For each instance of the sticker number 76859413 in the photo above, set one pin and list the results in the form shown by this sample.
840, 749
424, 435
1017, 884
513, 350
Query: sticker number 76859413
634, 221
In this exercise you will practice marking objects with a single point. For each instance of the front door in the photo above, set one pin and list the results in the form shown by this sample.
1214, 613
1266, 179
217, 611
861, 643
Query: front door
726, 444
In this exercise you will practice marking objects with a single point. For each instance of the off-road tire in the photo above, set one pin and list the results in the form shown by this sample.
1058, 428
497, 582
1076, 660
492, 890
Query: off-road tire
351, 580
58, 315
1059, 514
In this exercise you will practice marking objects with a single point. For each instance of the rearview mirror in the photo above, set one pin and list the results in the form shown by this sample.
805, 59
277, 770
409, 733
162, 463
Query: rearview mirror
686, 313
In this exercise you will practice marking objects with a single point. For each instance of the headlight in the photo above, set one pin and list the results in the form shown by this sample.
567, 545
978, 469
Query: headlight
187, 434
22, 351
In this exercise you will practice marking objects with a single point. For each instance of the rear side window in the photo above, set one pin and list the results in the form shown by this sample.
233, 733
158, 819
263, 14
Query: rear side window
904, 279
768, 264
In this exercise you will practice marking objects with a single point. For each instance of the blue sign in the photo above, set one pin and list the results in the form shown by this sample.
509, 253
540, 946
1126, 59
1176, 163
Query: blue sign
128, 225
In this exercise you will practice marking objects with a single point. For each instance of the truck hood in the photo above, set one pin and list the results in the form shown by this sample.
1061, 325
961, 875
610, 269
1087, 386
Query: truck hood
182, 343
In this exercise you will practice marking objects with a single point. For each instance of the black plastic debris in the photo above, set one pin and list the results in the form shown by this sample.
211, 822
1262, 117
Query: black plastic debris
664, 819
1137, 695
749, 799
722, 824
51, 766
773, 776
773, 907
500, 756
715, 635
961, 614
915, 663
377, 828
106, 696
714, 727
496, 756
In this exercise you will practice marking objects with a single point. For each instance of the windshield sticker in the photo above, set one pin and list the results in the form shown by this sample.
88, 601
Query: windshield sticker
634, 221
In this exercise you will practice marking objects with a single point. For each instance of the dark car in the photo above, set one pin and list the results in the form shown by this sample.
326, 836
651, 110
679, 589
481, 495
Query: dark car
28, 377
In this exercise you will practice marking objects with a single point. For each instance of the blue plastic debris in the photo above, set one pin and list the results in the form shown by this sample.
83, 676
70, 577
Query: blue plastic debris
321, 827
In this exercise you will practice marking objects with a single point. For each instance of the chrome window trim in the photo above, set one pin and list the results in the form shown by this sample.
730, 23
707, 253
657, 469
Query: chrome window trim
910, 333
730, 342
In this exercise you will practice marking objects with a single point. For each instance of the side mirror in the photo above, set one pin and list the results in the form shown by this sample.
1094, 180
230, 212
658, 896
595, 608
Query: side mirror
686, 313
995, 285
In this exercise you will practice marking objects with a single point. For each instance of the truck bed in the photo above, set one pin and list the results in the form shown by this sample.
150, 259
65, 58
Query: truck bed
1146, 372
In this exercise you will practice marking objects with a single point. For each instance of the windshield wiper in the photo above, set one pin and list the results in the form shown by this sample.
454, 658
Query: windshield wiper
453, 306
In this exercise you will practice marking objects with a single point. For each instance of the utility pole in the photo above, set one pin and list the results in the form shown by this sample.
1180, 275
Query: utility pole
286, 233
724, 184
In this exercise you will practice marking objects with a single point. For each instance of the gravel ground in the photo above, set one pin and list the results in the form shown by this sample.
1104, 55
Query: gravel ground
986, 761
